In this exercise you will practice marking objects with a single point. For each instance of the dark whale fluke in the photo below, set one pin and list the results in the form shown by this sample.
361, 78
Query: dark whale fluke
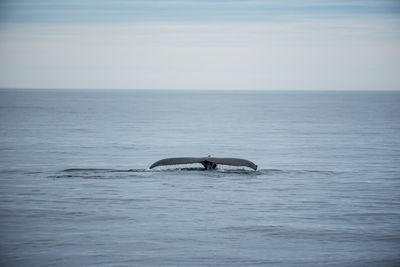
210, 163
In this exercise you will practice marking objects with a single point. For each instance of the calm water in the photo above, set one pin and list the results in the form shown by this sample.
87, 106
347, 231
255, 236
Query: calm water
75, 189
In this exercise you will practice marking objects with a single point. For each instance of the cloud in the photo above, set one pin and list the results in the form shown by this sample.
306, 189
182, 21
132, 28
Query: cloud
196, 56
101, 11
305, 50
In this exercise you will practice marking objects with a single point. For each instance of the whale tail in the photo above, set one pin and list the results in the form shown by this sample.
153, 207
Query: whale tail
209, 163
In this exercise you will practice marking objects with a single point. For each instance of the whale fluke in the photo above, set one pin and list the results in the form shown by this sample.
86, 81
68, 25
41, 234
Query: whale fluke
210, 163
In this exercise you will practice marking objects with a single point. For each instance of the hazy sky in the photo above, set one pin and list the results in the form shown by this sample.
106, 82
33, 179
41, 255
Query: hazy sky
200, 44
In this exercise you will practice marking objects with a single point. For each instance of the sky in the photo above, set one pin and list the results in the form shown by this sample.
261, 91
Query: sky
200, 44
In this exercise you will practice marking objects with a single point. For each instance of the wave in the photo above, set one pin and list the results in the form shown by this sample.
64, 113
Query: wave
107, 173
102, 170
97, 173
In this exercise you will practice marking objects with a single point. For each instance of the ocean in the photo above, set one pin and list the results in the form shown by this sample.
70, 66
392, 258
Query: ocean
75, 188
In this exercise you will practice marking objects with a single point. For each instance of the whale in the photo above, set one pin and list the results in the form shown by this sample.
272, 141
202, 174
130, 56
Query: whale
209, 163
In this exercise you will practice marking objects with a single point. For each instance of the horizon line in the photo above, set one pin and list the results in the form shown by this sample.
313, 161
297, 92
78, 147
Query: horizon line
202, 89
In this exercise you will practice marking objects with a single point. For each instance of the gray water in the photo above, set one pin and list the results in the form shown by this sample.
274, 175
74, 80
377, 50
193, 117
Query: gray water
76, 190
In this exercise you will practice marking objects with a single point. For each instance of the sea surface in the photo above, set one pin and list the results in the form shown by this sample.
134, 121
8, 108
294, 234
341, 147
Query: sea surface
75, 188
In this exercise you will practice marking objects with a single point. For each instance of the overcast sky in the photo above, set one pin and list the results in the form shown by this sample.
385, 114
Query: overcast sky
200, 44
